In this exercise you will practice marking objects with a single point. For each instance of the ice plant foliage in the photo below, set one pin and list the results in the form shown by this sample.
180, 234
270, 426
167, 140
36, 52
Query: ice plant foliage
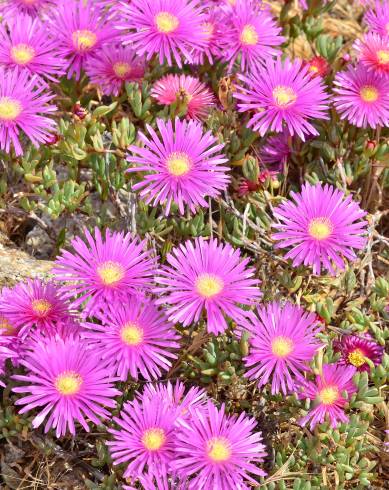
282, 94
24, 44
219, 451
112, 66
68, 382
328, 391
134, 338
322, 226
207, 278
184, 90
104, 269
167, 28
362, 97
282, 343
81, 28
359, 351
184, 165
24, 107
34, 304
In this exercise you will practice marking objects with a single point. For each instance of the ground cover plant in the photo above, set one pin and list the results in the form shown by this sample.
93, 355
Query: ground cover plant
209, 180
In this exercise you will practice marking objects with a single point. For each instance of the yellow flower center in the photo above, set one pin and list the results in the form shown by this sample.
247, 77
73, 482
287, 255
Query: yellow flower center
369, 93
121, 69
313, 68
22, 53
208, 29
249, 35
84, 39
383, 56
284, 96
41, 307
30, 2
320, 228
131, 334
208, 285
219, 449
356, 358
9, 108
282, 346
6, 328
329, 395
110, 273
178, 163
153, 439
68, 383
166, 22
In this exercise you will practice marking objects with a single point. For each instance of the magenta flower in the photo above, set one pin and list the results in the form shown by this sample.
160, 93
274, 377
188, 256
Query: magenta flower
282, 94
6, 352
218, 451
185, 165
10, 9
377, 18
207, 277
80, 28
362, 97
34, 304
251, 34
69, 381
145, 439
169, 28
276, 151
355, 350
24, 106
113, 66
373, 52
213, 27
134, 338
105, 270
24, 44
184, 89
322, 226
282, 343
175, 396
328, 391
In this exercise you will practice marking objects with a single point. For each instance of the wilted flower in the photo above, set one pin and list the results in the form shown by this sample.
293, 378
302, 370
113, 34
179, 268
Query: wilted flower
322, 225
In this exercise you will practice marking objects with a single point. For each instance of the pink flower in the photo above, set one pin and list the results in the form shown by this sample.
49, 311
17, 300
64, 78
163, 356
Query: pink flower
355, 349
184, 90
24, 107
104, 270
377, 18
134, 338
70, 383
373, 52
112, 66
328, 391
282, 343
282, 94
207, 278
